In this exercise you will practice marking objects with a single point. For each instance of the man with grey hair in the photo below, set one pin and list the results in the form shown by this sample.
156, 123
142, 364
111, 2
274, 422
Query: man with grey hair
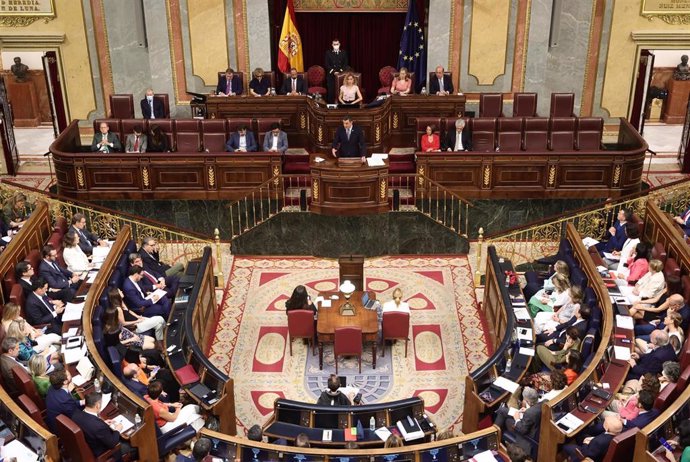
152, 108
595, 447
458, 139
8, 360
661, 351
670, 373
525, 422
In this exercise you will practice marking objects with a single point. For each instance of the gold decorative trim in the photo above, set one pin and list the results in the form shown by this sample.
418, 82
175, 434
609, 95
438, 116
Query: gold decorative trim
378, 132
145, 177
420, 177
211, 176
585, 79
525, 48
315, 189
395, 120
320, 133
616, 175
22, 21
672, 19
276, 173
80, 177
33, 39
302, 121
552, 175
382, 189
108, 63
487, 176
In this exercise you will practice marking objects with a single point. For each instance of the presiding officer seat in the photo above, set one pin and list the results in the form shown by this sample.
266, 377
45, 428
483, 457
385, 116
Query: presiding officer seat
525, 105
240, 75
491, 105
340, 80
122, 106
165, 101
432, 73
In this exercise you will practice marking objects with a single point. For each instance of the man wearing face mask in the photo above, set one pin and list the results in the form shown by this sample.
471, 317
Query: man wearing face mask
152, 108
336, 61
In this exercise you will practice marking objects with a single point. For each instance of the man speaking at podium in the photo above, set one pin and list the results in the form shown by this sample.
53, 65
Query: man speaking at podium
349, 141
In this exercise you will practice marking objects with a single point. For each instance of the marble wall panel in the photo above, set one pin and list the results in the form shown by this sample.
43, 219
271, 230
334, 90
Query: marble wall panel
259, 34
159, 52
439, 35
537, 52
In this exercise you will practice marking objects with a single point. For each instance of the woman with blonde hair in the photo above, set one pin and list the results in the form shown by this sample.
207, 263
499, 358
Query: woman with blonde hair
545, 320
393, 441
349, 92
402, 84
396, 304
39, 374
14, 211
11, 312
648, 290
545, 301
259, 85
26, 351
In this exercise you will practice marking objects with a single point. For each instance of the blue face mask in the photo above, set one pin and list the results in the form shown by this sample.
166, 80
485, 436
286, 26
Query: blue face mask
149, 98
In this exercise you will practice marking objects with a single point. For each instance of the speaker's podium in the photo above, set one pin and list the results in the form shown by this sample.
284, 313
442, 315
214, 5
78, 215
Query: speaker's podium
348, 187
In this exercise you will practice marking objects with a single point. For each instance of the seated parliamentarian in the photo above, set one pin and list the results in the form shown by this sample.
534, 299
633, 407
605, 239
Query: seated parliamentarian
299, 300
129, 319
24, 274
349, 92
168, 419
117, 335
259, 85
396, 305
241, 141
136, 299
595, 447
402, 84
615, 236
14, 212
152, 261
8, 360
294, 85
136, 141
11, 312
201, 451
676, 336
648, 290
332, 396
275, 140
458, 139
684, 221
157, 141
150, 282
535, 283
637, 266
527, 420
545, 320
430, 140
349, 140
105, 141
549, 300
75, 258
675, 303
42, 310
229, 84
59, 399
87, 239
440, 83
16, 330
63, 284
632, 238
659, 351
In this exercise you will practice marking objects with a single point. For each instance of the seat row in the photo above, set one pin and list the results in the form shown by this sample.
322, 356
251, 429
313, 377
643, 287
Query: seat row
526, 134
192, 135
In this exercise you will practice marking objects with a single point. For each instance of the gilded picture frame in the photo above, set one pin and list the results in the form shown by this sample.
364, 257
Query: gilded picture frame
19, 13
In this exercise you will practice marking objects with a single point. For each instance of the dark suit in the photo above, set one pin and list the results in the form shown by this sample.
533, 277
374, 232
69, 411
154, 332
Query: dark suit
527, 427
236, 85
6, 365
355, 146
559, 333
59, 402
137, 387
434, 87
26, 288
99, 436
451, 137
87, 240
234, 142
595, 450
58, 278
335, 62
652, 362
146, 284
642, 420
112, 138
141, 305
158, 109
157, 269
38, 312
287, 86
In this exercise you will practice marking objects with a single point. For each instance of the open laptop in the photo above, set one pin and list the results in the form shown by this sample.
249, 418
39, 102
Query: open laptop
367, 301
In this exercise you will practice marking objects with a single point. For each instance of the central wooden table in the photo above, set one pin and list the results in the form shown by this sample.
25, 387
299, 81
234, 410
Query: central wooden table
329, 319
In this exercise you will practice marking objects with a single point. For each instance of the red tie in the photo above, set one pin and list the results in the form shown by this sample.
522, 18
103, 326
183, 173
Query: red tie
136, 144
151, 278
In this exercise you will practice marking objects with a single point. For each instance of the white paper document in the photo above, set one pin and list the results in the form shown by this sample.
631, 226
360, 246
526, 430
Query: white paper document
16, 449
73, 355
589, 242
85, 368
158, 292
71, 332
521, 314
78, 380
91, 278
486, 456
99, 253
124, 421
382, 433
621, 352
624, 322
505, 384
375, 162
570, 422
524, 333
611, 256
526, 351
325, 304
72, 312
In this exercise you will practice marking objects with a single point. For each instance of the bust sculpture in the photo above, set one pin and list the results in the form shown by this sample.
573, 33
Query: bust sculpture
19, 69
682, 71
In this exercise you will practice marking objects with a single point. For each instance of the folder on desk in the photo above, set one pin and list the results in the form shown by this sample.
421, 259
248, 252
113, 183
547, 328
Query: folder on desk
410, 429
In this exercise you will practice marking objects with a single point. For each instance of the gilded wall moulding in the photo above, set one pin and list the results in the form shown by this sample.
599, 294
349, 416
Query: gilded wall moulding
350, 6
21, 13
671, 12
673, 19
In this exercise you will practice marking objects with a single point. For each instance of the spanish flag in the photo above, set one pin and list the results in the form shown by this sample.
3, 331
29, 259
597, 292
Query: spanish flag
290, 45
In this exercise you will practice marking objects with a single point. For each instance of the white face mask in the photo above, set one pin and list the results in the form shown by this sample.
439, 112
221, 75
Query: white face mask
336, 47
149, 98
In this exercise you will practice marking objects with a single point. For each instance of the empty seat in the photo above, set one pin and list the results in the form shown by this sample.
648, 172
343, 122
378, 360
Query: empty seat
491, 105
188, 135
685, 284
589, 132
562, 105
562, 134
671, 269
666, 397
484, 134
536, 133
525, 105
165, 101
659, 253
34, 412
214, 134
509, 134
122, 106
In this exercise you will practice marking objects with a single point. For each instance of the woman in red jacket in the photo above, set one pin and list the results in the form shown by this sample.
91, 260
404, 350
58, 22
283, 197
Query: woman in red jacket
430, 140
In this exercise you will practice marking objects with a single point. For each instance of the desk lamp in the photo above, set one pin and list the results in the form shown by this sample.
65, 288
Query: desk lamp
347, 308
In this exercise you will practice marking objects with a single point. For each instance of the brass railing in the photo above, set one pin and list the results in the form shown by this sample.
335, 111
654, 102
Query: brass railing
529, 243
292, 193
174, 246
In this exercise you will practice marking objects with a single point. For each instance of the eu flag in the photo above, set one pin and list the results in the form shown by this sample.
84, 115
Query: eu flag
412, 54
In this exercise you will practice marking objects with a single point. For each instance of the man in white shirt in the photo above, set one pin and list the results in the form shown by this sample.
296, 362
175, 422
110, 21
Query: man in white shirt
458, 139
275, 140
241, 141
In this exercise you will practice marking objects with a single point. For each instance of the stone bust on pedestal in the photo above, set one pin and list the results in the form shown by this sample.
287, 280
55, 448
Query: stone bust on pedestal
20, 69
682, 71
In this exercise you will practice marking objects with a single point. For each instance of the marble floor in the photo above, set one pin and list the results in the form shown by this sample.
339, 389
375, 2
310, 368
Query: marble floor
33, 141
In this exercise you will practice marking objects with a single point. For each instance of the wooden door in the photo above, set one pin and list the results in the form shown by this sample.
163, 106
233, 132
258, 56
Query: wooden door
644, 78
57, 102
9, 145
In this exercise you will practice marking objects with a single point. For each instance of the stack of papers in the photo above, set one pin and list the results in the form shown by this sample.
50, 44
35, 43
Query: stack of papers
622, 353
505, 384
570, 422
124, 421
73, 355
610, 256
521, 314
91, 277
383, 433
72, 312
16, 449
158, 292
589, 242
99, 253
624, 322
486, 456
318, 159
71, 332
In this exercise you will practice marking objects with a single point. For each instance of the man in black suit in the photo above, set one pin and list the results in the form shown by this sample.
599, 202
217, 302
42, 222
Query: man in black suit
229, 84
294, 84
595, 447
458, 139
526, 422
150, 282
152, 108
105, 141
440, 83
349, 141
8, 360
62, 283
653, 360
101, 436
59, 399
87, 239
152, 263
336, 61
40, 309
24, 273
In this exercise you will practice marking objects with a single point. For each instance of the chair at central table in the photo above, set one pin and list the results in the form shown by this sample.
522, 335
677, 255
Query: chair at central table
330, 319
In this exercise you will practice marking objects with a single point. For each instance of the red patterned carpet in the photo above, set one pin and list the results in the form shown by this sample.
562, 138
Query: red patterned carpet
447, 334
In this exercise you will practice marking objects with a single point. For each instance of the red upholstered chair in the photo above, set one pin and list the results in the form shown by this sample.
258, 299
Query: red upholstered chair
589, 132
263, 125
422, 123
562, 105
484, 134
685, 355
17, 296
348, 342
165, 100
34, 258
187, 375
412, 78
188, 135
316, 77
122, 106
386, 79
666, 397
7, 282
562, 133
235, 124
622, 446
490, 105
301, 325
683, 379
640, 224
61, 225
34, 412
525, 105
659, 253
395, 326
536, 133
214, 134
671, 269
26, 386
509, 134
74, 443
685, 284
296, 164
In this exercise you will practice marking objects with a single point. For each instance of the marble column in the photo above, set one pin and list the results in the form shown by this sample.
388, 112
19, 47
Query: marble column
93, 61
537, 52
439, 35
159, 52
259, 33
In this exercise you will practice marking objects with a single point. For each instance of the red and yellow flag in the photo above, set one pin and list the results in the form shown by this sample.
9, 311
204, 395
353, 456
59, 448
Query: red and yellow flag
290, 44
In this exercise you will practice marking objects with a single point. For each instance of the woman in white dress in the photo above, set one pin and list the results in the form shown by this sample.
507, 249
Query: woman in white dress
632, 232
75, 258
11, 312
396, 304
545, 320
648, 290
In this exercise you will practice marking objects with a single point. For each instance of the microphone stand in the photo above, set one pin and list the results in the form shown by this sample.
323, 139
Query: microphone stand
649, 165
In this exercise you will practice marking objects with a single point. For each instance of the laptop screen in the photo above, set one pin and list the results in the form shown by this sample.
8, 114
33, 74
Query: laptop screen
365, 298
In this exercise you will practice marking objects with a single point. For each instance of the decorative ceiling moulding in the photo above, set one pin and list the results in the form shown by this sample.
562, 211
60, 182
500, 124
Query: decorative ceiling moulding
21, 13
656, 37
27, 40
676, 13
350, 6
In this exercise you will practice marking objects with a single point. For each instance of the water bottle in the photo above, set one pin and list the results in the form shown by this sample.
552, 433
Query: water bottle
508, 364
507, 283
96, 385
372, 423
424, 93
137, 419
